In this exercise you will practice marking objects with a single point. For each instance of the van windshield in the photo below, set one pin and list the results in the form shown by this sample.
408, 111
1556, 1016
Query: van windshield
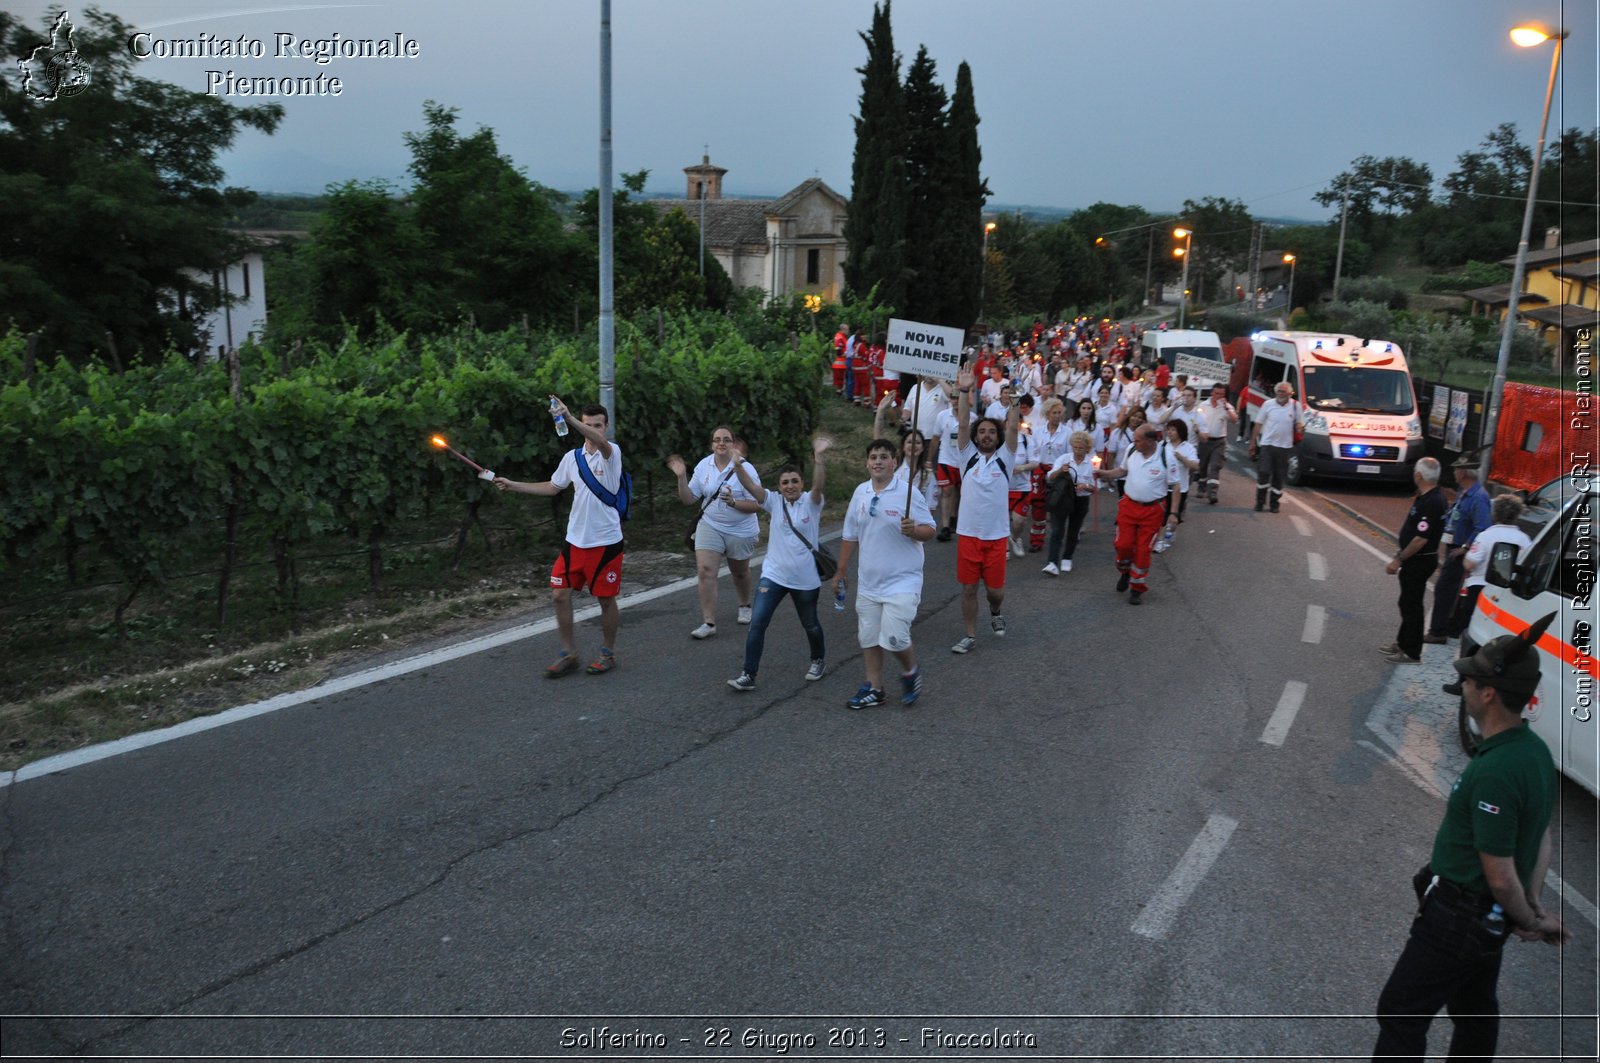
1211, 353
1358, 389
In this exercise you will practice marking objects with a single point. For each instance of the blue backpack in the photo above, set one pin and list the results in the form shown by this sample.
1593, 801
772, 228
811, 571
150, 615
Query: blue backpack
622, 501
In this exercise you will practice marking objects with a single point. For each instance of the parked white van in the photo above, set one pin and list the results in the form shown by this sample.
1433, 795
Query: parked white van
1193, 352
1361, 412
1555, 575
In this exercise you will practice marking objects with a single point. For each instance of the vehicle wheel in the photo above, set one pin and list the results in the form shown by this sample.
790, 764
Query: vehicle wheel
1466, 730
1297, 474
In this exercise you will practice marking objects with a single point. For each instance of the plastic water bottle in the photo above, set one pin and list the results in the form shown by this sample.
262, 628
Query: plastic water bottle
555, 412
838, 599
1495, 921
1167, 537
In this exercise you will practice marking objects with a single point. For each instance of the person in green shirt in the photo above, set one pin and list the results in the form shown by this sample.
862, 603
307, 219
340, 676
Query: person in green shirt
1487, 869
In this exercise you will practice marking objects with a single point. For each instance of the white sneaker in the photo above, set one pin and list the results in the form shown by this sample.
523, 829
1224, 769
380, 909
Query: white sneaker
744, 614
1051, 569
1066, 566
965, 645
704, 631
1016, 546
815, 672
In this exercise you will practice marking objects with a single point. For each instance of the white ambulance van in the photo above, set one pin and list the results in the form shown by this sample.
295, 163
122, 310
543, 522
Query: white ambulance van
1555, 575
1361, 412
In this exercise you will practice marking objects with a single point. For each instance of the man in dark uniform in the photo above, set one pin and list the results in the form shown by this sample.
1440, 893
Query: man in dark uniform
1415, 561
1488, 866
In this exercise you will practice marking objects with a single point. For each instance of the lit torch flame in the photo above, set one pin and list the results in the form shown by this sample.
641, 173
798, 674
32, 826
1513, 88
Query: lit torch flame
442, 444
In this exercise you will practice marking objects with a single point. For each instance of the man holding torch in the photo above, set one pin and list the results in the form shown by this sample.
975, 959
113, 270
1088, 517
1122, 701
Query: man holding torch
592, 552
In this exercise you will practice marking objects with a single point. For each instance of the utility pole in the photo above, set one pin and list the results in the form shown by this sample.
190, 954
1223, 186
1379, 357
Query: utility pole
608, 338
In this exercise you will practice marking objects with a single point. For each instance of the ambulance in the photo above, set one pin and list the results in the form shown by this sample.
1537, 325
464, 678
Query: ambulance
1361, 412
1554, 575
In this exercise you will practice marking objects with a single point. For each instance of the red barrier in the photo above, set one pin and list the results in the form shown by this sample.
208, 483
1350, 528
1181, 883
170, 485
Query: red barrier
1541, 433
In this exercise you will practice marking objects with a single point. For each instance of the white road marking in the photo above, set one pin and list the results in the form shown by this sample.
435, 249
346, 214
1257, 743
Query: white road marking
1294, 694
1579, 902
1346, 532
1319, 566
1301, 525
1156, 921
1316, 619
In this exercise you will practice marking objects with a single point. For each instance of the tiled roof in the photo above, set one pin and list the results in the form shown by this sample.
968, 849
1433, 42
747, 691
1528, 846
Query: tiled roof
729, 222
1566, 316
789, 200
1563, 253
1500, 295
1579, 271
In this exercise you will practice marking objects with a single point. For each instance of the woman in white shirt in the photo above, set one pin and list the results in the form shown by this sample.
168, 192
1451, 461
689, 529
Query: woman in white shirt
1066, 521
790, 569
1178, 450
1158, 410
1075, 383
1082, 421
726, 529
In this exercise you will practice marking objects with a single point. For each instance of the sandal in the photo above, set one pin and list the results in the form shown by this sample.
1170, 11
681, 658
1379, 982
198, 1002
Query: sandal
566, 664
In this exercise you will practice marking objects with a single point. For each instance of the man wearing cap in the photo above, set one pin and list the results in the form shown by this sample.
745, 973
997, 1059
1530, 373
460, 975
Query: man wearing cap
1487, 870
1415, 561
1467, 519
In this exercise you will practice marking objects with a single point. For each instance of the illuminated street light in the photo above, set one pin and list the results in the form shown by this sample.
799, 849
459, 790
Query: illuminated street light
983, 282
1526, 36
1288, 303
1184, 252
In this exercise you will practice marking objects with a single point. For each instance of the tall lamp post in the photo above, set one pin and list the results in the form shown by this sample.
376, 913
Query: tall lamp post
1187, 236
983, 281
1288, 302
1525, 36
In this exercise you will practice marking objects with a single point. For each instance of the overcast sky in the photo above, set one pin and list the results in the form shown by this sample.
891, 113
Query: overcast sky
1143, 102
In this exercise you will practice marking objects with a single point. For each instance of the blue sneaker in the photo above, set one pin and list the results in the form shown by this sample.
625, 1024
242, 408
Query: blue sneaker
911, 687
866, 698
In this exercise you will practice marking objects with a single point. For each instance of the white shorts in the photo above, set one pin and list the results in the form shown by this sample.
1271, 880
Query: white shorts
886, 621
732, 547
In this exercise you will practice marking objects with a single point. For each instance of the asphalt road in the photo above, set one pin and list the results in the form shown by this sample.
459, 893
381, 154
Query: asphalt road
1183, 829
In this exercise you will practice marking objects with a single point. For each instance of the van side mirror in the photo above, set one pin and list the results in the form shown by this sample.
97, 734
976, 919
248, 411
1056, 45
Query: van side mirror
1503, 566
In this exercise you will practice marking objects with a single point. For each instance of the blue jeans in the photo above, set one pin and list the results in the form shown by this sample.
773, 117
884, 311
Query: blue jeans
849, 380
768, 595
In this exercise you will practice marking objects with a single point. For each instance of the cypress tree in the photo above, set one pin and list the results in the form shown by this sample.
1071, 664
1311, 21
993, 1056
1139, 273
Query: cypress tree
961, 219
880, 136
889, 262
927, 171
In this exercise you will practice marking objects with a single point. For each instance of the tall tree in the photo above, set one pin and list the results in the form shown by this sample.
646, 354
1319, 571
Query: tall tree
880, 136
927, 172
961, 216
1377, 193
1221, 238
111, 194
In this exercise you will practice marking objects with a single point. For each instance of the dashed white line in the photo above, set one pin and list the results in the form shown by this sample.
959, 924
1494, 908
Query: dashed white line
1301, 525
1316, 619
1156, 921
1318, 565
1294, 694
1346, 532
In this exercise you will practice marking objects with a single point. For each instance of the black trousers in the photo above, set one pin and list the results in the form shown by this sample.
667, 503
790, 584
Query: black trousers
1414, 573
1451, 962
1064, 530
1446, 591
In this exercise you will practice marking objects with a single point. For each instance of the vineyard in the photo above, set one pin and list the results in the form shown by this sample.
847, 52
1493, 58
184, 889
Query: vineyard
175, 469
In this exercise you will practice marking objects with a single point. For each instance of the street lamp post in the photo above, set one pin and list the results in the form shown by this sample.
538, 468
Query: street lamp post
1288, 302
983, 281
1187, 236
1526, 36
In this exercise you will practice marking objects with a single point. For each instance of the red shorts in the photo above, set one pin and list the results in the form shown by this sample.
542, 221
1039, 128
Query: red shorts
981, 559
598, 567
947, 475
1019, 500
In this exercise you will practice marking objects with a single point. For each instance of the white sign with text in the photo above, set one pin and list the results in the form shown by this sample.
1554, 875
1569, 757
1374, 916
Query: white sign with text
1202, 372
926, 350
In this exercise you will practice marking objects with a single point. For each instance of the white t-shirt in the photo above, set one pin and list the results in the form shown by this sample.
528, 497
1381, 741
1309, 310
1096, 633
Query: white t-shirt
989, 390
1148, 479
927, 404
1213, 418
1482, 549
1190, 418
887, 562
985, 493
1077, 384
706, 480
1023, 481
1050, 446
1158, 415
591, 522
926, 486
948, 431
1174, 455
1277, 422
789, 563
1082, 472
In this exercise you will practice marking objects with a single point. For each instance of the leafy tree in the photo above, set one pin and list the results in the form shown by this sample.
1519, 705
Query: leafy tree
1221, 237
1377, 193
880, 137
110, 196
